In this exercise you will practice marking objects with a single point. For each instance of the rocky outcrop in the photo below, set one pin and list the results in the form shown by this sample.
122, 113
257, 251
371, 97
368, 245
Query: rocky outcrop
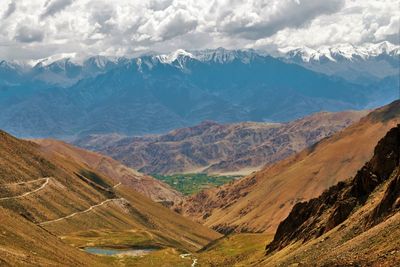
309, 220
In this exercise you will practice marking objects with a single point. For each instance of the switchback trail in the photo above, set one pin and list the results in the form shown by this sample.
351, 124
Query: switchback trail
80, 212
30, 192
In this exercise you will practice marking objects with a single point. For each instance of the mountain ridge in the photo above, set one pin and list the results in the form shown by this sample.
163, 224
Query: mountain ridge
215, 148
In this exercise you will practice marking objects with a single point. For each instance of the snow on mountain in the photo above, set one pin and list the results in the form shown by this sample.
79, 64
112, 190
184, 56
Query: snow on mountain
172, 57
344, 60
340, 51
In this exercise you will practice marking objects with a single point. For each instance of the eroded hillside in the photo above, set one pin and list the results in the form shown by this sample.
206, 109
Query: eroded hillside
216, 148
354, 222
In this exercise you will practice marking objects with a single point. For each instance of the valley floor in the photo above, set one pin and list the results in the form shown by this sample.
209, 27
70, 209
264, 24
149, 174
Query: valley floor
231, 250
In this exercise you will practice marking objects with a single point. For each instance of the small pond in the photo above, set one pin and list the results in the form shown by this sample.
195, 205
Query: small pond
119, 251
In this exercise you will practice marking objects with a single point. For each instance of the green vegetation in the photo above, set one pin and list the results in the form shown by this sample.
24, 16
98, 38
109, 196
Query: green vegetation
108, 238
238, 250
194, 182
234, 250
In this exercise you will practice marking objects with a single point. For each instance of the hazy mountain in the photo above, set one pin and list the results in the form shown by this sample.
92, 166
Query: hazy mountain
155, 93
220, 148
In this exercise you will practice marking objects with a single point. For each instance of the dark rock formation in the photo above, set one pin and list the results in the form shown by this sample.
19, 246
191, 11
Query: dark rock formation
311, 219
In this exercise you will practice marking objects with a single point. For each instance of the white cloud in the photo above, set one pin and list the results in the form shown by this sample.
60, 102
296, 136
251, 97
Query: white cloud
31, 29
358, 22
28, 34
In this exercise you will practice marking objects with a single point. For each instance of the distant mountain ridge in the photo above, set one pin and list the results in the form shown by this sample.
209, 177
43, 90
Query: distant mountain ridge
155, 93
361, 64
219, 148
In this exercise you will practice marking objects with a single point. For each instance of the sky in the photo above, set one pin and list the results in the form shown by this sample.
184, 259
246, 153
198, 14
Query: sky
32, 29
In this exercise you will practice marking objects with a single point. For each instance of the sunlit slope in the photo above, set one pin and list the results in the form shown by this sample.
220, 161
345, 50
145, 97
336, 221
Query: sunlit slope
354, 223
63, 197
22, 243
144, 184
258, 203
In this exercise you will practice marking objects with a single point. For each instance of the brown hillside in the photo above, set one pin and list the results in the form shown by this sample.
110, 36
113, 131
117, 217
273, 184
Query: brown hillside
68, 199
144, 184
259, 202
355, 222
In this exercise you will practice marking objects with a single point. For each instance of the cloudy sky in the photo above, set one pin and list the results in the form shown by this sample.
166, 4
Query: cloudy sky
31, 29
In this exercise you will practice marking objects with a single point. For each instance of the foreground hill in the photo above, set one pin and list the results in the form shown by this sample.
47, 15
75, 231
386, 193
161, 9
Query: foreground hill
67, 199
23, 243
260, 201
144, 184
354, 223
214, 148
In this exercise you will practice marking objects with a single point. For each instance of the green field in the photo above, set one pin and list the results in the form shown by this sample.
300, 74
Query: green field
194, 182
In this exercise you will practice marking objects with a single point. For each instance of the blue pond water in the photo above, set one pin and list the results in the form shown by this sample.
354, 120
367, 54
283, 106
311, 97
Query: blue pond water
119, 251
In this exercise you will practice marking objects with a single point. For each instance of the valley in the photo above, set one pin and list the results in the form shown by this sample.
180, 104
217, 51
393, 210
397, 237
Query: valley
69, 201
99, 212
171, 133
192, 183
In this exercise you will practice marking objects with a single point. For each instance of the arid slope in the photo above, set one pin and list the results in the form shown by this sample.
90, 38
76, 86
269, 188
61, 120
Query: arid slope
63, 198
144, 184
354, 223
214, 148
260, 201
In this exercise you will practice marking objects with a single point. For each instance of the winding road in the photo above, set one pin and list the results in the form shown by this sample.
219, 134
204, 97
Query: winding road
80, 212
183, 256
30, 192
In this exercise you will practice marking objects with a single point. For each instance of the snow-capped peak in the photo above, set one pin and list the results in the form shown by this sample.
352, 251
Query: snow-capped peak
380, 48
172, 57
10, 65
63, 57
339, 51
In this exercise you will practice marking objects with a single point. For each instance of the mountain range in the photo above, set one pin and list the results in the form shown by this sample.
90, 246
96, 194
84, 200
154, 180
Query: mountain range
66, 97
360, 64
238, 148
